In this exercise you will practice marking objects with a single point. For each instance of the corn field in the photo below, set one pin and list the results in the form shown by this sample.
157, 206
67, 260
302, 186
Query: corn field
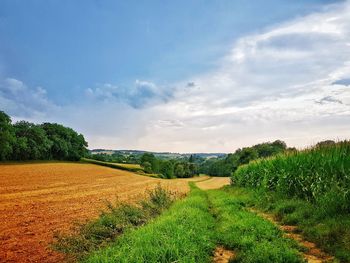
317, 174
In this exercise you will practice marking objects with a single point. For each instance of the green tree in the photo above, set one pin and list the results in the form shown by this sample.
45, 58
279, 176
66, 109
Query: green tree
67, 144
7, 136
34, 143
147, 167
150, 158
167, 169
179, 170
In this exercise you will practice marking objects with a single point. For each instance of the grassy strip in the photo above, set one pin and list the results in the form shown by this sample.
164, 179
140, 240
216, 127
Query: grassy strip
112, 223
130, 165
182, 234
188, 232
254, 239
330, 232
114, 165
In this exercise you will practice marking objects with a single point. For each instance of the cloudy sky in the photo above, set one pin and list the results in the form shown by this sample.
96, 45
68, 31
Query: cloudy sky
181, 76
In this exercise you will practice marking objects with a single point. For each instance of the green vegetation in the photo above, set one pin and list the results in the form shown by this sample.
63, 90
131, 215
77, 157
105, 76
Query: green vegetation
310, 189
182, 234
254, 239
119, 218
331, 232
48, 141
189, 231
149, 163
116, 158
226, 166
320, 174
168, 168
136, 169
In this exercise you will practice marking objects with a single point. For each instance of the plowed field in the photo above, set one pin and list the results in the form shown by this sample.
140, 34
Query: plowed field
38, 199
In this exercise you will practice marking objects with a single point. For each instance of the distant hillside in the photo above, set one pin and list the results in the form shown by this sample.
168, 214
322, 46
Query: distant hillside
165, 155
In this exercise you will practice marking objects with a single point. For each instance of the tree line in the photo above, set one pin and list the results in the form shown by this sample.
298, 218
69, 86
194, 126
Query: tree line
229, 164
173, 168
194, 165
163, 167
47, 141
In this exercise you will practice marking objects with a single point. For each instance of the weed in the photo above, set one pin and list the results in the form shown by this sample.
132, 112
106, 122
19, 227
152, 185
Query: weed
184, 233
111, 223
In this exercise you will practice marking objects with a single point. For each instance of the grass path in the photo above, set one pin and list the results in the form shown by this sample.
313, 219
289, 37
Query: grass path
252, 238
312, 253
206, 226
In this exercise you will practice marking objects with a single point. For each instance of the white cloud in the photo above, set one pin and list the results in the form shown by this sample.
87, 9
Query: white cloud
274, 84
140, 95
18, 100
288, 82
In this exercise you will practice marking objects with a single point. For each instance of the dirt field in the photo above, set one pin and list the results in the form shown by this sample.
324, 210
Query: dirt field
38, 199
213, 183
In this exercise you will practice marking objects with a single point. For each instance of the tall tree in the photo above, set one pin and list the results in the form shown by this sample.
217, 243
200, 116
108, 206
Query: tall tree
33, 142
7, 136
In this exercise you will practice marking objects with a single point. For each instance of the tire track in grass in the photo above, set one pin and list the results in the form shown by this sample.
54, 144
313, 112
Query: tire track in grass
250, 237
206, 226
313, 254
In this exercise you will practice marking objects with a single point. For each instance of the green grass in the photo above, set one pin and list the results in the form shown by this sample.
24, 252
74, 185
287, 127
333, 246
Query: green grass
111, 223
192, 228
309, 188
131, 168
330, 232
319, 174
130, 165
182, 234
254, 239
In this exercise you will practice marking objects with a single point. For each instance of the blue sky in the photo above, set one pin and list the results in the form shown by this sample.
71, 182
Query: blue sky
147, 73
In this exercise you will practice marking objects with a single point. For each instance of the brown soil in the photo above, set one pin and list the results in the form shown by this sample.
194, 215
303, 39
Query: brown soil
38, 199
223, 255
213, 183
313, 253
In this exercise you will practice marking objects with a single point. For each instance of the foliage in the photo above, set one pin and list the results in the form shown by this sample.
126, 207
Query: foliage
115, 165
116, 158
254, 239
28, 141
328, 229
7, 136
319, 174
66, 143
184, 233
168, 168
226, 166
191, 229
111, 223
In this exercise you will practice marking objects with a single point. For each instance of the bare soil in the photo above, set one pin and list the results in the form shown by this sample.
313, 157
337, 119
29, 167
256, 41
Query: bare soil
223, 255
38, 199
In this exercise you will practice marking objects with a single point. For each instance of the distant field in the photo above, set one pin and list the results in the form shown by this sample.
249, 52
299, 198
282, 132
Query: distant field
130, 165
123, 166
38, 199
213, 183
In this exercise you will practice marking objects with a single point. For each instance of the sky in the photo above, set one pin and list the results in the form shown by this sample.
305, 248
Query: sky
179, 76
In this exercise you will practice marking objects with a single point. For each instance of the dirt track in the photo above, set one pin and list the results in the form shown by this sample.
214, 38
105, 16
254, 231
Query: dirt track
38, 199
213, 183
